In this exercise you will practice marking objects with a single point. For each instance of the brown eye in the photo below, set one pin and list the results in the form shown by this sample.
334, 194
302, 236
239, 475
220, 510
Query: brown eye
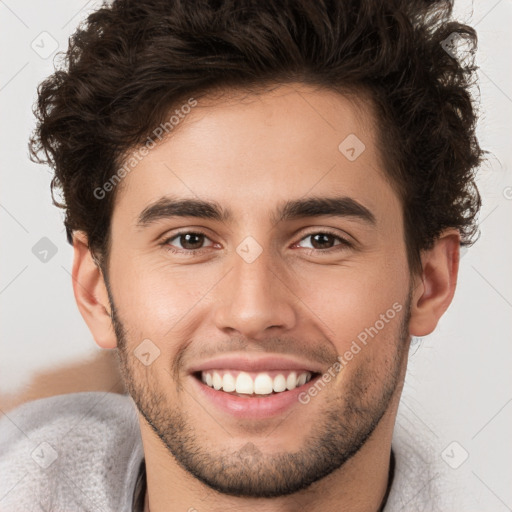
187, 241
191, 240
323, 241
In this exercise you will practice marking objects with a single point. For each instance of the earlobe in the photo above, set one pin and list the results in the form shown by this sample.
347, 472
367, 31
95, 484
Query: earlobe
435, 288
91, 293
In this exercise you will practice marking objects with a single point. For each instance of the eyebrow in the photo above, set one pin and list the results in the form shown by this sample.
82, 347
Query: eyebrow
169, 206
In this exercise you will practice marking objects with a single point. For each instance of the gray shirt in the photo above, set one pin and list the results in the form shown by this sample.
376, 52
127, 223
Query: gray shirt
83, 452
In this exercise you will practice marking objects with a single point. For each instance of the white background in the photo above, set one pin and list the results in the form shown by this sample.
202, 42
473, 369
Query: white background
459, 381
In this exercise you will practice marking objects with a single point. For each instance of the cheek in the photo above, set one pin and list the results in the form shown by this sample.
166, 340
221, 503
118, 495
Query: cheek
162, 305
155, 297
359, 302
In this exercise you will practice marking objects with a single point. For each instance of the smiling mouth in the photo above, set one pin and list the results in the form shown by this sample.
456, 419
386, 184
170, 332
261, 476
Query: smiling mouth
254, 384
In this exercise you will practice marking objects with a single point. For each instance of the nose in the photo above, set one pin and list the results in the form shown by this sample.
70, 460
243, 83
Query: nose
254, 299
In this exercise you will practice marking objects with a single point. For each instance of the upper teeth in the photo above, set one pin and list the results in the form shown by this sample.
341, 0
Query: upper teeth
259, 383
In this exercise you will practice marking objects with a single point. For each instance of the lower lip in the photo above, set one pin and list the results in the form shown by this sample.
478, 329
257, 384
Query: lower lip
251, 407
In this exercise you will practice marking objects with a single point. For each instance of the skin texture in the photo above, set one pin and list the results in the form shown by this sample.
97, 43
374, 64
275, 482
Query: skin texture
303, 296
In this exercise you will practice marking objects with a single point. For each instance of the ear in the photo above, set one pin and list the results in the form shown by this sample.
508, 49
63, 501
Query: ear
91, 293
433, 291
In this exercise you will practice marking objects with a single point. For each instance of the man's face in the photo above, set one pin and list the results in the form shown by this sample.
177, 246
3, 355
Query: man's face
264, 297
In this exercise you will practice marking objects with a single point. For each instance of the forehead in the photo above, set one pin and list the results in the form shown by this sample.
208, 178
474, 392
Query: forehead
250, 152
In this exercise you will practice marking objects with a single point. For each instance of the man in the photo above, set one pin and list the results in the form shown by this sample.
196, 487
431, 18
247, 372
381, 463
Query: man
266, 201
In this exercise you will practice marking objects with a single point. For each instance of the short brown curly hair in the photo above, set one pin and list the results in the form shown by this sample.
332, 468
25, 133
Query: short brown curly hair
133, 61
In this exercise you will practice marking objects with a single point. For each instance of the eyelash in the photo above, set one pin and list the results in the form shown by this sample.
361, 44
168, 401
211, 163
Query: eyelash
344, 243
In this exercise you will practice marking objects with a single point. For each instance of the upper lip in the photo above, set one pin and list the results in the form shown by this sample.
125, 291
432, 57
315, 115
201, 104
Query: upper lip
254, 363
